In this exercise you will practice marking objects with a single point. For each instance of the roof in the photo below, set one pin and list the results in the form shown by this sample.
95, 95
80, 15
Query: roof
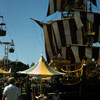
41, 68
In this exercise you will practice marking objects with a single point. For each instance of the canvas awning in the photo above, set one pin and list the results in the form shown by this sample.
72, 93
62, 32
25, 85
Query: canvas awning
41, 68
4, 72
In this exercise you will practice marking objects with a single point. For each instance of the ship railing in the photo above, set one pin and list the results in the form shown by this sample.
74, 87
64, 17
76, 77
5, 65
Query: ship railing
74, 73
74, 76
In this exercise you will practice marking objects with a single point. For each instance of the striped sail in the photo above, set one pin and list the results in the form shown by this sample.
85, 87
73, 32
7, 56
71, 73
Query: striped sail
66, 5
72, 37
62, 38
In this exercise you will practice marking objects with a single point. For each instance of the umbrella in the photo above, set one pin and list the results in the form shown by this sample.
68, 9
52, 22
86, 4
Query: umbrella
41, 68
4, 72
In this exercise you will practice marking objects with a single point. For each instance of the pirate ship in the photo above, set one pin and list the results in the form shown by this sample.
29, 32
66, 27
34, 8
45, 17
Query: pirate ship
70, 43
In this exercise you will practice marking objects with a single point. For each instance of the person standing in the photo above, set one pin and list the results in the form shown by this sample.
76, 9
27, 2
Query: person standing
56, 96
41, 97
11, 92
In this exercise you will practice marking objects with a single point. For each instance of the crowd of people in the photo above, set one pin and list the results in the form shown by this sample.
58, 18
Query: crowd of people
11, 89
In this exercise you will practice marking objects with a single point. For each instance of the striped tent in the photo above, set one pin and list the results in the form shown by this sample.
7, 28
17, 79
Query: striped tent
41, 68
4, 72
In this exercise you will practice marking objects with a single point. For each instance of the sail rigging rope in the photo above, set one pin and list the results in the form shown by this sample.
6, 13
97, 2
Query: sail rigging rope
40, 41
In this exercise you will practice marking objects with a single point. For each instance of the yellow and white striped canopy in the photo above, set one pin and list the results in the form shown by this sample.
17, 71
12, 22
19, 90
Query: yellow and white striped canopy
4, 72
41, 68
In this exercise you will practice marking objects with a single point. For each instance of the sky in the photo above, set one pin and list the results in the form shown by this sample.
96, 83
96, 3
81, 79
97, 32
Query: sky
26, 34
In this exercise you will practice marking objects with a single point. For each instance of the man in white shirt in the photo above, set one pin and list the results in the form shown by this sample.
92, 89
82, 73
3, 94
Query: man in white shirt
11, 92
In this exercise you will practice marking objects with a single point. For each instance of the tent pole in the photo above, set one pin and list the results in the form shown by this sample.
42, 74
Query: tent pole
28, 92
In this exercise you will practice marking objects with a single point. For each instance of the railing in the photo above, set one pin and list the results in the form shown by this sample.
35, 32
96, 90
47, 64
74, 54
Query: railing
74, 76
